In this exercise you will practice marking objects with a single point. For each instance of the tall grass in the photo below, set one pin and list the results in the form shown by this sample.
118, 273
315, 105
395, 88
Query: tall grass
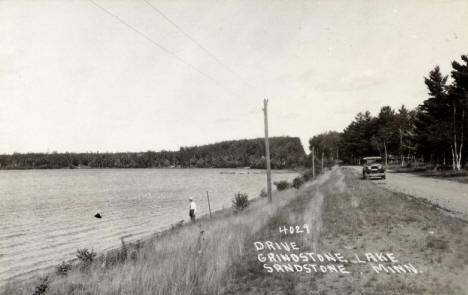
193, 259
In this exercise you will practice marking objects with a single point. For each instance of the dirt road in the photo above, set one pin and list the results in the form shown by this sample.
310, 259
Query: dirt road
447, 194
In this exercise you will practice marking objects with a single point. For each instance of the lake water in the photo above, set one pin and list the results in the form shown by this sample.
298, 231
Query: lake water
45, 215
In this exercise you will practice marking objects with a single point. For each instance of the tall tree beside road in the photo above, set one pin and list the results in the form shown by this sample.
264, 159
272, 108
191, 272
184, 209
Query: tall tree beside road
458, 103
386, 132
405, 129
328, 143
432, 129
442, 119
357, 138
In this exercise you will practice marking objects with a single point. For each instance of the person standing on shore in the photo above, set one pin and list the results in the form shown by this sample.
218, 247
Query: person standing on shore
192, 209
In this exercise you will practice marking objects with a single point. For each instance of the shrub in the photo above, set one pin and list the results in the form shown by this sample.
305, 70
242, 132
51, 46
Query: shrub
42, 287
282, 185
240, 202
86, 257
63, 268
307, 175
298, 182
263, 193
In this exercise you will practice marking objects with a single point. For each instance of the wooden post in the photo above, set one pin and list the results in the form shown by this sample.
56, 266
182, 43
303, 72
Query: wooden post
208, 198
267, 149
313, 162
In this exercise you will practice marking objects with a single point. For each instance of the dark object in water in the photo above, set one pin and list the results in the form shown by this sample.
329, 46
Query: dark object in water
97, 215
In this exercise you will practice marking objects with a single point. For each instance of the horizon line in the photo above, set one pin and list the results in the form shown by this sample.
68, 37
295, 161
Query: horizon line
144, 151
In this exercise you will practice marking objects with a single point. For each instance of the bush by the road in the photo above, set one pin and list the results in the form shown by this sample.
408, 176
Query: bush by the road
298, 182
240, 202
282, 185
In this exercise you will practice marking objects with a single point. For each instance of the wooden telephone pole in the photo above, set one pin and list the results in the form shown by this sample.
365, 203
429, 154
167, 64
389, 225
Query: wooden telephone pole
267, 149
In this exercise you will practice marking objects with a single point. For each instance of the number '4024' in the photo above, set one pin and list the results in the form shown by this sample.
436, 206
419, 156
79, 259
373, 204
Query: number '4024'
294, 229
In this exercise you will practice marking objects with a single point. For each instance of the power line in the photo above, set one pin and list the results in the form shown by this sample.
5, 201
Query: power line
161, 47
198, 44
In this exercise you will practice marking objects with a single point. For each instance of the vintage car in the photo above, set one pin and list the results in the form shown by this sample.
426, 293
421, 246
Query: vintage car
373, 168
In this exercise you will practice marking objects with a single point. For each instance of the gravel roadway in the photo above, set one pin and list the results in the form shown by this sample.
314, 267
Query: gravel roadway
447, 194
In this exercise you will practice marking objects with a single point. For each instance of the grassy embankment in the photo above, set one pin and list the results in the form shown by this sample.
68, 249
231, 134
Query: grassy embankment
345, 215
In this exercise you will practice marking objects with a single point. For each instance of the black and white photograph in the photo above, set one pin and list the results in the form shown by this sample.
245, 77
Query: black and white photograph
205, 147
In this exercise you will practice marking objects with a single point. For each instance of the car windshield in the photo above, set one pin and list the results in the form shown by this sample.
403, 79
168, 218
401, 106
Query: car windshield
373, 161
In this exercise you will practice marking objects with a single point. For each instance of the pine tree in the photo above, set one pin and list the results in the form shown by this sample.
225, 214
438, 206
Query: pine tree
432, 124
458, 108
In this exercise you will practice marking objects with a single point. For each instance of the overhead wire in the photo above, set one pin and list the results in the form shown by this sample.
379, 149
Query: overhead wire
208, 52
161, 47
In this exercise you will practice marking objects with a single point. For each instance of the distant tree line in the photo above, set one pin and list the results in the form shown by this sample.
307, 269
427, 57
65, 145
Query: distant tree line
434, 132
286, 152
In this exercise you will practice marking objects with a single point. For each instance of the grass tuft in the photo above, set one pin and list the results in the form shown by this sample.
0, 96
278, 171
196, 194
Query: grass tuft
63, 268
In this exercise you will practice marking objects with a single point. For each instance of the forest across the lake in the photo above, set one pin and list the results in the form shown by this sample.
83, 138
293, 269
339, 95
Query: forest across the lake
286, 152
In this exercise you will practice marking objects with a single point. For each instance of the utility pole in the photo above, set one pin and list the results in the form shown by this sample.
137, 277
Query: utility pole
313, 162
267, 149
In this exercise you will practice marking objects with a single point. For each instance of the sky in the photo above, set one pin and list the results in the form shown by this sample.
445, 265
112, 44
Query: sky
117, 76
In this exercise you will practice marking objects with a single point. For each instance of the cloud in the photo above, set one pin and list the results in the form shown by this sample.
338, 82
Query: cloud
357, 80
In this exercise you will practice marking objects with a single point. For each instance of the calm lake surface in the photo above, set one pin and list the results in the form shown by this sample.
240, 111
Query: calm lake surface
45, 215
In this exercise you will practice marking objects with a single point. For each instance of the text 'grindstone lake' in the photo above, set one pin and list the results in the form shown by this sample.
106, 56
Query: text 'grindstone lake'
288, 257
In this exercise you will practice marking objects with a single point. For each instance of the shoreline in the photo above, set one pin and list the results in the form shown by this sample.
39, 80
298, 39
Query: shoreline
282, 170
30, 276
